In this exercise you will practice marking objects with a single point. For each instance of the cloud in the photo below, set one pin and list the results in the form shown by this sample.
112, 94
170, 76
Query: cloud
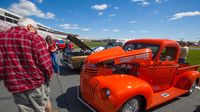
100, 13
39, 1
85, 29
28, 8
141, 2
99, 7
69, 26
50, 15
132, 22
111, 15
116, 8
115, 31
138, 0
158, 1
184, 14
105, 30
144, 4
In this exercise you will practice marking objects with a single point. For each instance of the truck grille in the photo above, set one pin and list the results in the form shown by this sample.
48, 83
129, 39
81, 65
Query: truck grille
88, 87
89, 71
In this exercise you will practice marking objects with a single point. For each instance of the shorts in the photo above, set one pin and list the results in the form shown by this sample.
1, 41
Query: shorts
33, 100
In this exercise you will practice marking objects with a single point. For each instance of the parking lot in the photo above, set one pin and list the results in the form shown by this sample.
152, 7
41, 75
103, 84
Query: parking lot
63, 96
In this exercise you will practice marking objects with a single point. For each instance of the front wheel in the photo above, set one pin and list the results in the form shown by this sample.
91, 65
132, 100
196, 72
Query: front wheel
192, 88
133, 105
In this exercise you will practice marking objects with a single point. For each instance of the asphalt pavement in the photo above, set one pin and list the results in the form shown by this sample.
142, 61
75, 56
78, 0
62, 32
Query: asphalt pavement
63, 96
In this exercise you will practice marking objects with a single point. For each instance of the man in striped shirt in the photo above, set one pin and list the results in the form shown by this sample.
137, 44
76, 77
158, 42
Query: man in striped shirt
26, 67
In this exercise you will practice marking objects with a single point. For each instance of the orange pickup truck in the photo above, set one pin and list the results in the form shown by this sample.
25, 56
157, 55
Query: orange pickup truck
141, 75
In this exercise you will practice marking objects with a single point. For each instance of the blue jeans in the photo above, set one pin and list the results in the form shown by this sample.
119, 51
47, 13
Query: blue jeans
54, 62
181, 60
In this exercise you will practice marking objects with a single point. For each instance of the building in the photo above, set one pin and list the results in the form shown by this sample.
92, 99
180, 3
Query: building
9, 19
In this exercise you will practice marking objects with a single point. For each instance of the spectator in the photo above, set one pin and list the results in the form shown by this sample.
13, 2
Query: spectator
52, 51
184, 51
70, 46
66, 46
26, 67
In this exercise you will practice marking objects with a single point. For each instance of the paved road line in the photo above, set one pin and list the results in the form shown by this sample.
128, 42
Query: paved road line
197, 87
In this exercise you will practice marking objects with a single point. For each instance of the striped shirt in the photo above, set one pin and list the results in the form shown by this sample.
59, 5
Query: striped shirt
25, 63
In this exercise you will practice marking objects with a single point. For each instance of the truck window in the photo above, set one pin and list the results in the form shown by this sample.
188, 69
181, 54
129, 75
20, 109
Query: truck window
135, 46
168, 54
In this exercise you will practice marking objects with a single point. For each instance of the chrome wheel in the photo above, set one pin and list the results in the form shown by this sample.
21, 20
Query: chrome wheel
192, 87
132, 105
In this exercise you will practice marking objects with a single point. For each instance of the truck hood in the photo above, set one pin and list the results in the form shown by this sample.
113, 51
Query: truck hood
78, 42
119, 55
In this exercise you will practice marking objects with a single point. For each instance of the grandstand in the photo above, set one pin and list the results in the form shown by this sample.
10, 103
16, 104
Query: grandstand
9, 19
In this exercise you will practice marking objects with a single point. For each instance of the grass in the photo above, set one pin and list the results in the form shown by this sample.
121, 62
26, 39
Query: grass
193, 57
92, 44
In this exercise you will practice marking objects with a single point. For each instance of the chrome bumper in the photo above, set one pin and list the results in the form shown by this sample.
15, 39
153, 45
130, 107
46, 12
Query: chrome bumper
80, 99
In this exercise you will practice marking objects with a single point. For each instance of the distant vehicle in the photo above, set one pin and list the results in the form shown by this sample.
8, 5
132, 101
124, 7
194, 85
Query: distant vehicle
141, 75
60, 44
99, 48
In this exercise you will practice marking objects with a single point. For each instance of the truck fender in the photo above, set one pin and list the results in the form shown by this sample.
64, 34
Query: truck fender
143, 90
186, 79
127, 87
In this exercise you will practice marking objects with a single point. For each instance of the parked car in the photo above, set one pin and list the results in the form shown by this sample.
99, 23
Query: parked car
61, 45
75, 59
141, 75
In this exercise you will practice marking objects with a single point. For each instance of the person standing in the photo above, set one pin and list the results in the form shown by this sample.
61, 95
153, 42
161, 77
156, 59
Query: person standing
26, 67
52, 51
183, 53
71, 46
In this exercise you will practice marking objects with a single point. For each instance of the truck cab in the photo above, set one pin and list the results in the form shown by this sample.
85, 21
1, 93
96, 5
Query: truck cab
163, 63
139, 76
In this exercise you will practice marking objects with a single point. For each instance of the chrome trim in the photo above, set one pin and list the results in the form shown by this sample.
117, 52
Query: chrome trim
197, 87
87, 105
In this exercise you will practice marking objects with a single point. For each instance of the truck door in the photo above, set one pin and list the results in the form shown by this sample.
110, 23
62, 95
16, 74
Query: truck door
163, 71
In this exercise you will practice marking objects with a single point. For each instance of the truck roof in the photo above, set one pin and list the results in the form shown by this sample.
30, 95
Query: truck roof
152, 40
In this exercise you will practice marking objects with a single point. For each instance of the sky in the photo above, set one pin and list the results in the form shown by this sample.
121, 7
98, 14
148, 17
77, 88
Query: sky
119, 19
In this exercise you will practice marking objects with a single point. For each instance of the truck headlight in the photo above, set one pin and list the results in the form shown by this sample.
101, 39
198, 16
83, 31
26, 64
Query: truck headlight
105, 93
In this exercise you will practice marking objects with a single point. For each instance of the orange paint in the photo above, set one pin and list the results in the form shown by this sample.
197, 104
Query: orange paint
152, 73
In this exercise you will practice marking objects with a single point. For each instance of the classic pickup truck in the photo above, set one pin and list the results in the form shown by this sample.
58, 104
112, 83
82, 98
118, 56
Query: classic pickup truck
141, 75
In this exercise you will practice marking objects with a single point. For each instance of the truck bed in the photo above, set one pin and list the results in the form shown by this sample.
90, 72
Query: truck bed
186, 67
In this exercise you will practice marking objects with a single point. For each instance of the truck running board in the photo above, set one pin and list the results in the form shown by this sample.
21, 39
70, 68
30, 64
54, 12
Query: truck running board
167, 95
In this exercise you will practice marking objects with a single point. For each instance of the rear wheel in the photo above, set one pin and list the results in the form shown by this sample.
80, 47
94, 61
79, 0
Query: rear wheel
133, 105
192, 88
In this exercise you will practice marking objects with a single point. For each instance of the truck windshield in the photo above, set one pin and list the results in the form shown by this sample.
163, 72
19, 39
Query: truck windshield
134, 46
